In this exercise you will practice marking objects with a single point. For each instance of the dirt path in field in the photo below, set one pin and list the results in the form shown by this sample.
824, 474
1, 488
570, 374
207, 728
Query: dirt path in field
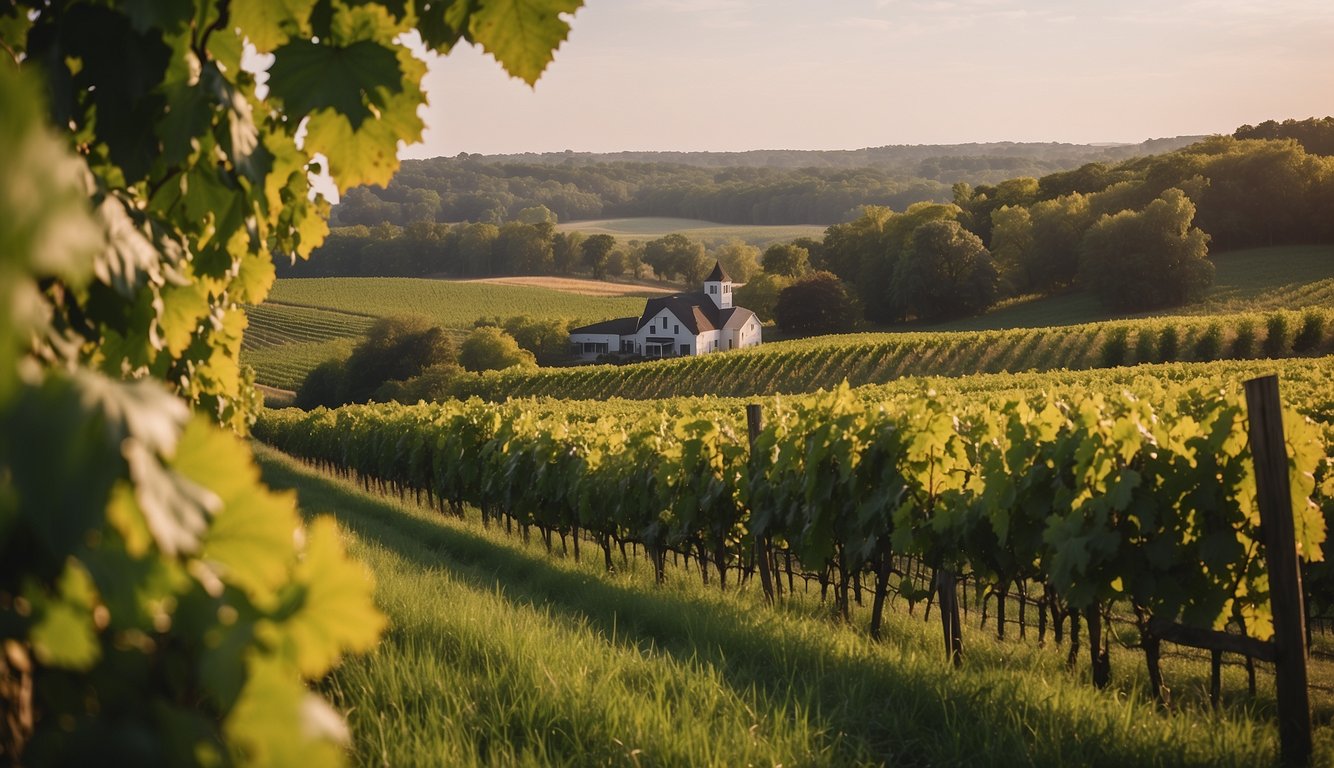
576, 285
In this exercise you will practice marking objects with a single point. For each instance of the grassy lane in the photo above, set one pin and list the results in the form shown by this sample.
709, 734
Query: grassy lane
500, 654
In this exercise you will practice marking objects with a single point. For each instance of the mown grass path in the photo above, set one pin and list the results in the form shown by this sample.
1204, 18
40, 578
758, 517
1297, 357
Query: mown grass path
500, 654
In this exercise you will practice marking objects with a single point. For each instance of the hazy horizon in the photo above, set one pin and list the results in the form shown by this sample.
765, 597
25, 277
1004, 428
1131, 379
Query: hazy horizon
744, 75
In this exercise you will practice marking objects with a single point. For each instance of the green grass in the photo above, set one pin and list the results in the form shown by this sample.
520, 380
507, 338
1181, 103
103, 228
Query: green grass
648, 228
499, 654
448, 303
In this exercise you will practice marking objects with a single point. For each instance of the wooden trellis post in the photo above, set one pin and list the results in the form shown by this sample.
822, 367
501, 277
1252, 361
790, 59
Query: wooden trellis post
1270, 455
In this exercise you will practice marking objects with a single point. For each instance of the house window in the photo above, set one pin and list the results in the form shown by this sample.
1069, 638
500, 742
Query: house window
685, 349
676, 329
653, 329
729, 343
713, 289
727, 288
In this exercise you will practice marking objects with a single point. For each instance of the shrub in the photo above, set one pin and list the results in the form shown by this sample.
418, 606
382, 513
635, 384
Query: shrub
1243, 345
491, 349
1144, 346
395, 349
325, 385
1210, 343
1276, 336
1169, 343
1115, 347
1310, 334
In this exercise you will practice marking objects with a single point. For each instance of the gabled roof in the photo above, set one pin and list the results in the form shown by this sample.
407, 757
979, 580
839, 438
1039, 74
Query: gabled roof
735, 317
696, 311
621, 326
718, 274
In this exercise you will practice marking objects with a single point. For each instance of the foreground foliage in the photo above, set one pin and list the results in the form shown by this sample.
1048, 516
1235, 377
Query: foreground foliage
158, 605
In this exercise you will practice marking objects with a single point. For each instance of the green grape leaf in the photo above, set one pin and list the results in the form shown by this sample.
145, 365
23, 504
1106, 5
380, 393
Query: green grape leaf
522, 35
334, 613
249, 544
368, 155
254, 276
354, 80
64, 634
64, 637
268, 24
275, 721
443, 22
183, 307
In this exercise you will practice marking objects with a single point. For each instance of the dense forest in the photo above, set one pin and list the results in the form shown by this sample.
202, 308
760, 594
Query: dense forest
759, 187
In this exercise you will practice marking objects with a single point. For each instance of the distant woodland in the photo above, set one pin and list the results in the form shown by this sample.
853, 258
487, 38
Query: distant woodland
760, 187
1134, 231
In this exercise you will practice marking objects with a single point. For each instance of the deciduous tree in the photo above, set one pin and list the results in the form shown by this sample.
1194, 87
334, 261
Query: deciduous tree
945, 272
818, 303
1147, 259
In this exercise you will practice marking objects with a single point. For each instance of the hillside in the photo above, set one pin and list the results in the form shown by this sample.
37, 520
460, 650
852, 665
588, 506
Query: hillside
312, 320
806, 365
1248, 280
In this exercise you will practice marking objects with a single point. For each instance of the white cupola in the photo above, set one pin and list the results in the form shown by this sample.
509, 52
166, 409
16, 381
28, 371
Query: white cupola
718, 287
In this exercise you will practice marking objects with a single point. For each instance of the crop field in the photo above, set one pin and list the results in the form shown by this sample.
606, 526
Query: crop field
274, 325
284, 366
805, 365
648, 228
576, 285
308, 321
452, 304
505, 652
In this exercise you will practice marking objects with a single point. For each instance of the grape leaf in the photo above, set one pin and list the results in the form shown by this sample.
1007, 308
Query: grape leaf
274, 723
268, 24
353, 80
522, 34
250, 541
335, 613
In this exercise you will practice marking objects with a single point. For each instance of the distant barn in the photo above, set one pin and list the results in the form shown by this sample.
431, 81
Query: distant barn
675, 326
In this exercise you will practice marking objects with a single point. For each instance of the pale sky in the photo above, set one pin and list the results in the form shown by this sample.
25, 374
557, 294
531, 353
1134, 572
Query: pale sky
844, 74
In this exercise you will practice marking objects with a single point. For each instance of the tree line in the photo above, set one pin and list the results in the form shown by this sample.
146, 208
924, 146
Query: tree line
1136, 234
528, 245
763, 187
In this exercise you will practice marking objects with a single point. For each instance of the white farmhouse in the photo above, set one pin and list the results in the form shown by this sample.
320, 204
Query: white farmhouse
677, 325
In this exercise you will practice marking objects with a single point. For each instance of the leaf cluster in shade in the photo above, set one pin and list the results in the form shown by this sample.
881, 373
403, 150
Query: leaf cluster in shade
158, 604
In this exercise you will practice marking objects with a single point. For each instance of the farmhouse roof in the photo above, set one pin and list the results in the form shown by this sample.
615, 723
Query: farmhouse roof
621, 326
695, 311
718, 274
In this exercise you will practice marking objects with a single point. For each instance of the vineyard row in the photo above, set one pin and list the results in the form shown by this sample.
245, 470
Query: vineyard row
1143, 498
